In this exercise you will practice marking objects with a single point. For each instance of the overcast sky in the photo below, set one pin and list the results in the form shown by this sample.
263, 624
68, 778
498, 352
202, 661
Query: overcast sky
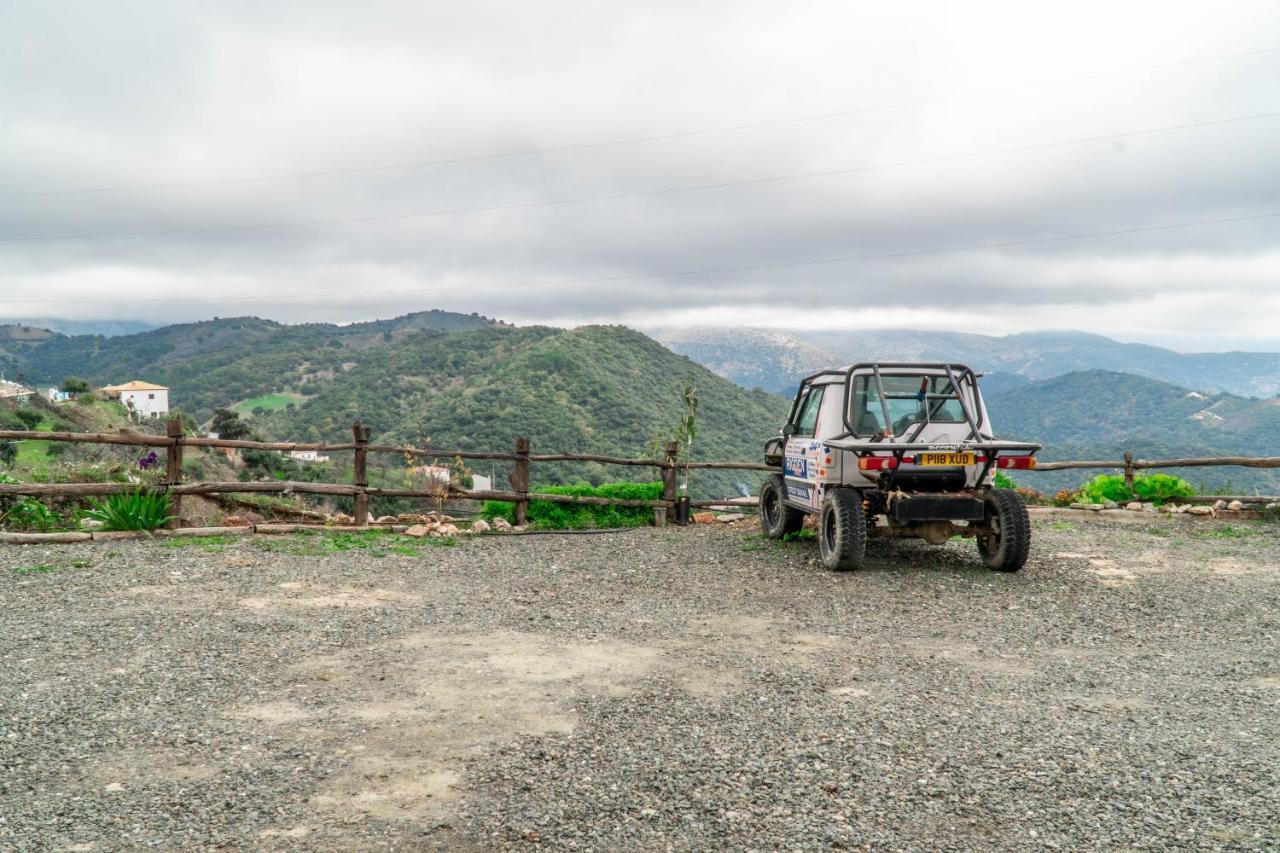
128, 94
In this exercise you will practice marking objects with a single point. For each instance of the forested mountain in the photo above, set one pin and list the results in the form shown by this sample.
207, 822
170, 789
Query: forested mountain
1099, 414
214, 363
595, 389
775, 360
459, 382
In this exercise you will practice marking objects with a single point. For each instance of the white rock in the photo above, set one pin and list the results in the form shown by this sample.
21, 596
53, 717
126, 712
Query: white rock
480, 526
418, 531
1201, 510
1134, 506
501, 525
447, 530
1109, 504
90, 524
1235, 506
1219, 504
1148, 507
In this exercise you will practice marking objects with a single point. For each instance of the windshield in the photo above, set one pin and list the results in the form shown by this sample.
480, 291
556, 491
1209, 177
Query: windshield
911, 400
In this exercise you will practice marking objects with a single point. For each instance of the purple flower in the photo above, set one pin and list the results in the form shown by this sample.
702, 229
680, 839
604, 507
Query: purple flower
149, 461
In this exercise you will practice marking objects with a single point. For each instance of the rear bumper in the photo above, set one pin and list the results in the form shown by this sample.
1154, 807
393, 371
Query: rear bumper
912, 510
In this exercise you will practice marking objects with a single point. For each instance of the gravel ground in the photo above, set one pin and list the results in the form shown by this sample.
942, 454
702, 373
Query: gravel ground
647, 690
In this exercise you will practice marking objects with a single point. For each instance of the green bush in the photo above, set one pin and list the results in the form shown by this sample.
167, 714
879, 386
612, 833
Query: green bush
137, 509
1156, 488
1003, 482
31, 514
29, 418
557, 516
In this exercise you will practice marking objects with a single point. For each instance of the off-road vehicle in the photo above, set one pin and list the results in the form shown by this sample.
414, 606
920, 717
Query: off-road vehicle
901, 450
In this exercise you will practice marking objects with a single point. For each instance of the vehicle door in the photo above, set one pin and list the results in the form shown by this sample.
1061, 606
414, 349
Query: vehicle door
800, 462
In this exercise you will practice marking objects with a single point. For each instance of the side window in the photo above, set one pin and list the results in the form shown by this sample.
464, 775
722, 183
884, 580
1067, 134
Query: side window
807, 420
866, 407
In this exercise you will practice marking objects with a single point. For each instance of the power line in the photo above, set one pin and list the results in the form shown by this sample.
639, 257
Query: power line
212, 229
848, 259
529, 152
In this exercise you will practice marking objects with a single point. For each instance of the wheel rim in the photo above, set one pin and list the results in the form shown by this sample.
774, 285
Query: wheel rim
829, 531
771, 507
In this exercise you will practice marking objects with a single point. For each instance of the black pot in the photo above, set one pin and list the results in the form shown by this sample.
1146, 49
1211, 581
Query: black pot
683, 510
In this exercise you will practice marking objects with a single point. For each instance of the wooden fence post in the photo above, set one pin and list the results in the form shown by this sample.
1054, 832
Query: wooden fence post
360, 472
173, 470
660, 515
1128, 470
520, 479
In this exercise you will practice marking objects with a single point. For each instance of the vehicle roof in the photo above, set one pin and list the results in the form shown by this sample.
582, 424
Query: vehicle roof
840, 374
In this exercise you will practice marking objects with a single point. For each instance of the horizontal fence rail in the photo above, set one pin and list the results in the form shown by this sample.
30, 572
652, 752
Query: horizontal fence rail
359, 489
520, 493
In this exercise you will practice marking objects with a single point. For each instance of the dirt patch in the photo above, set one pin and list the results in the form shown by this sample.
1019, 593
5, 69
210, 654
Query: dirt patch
426, 702
319, 595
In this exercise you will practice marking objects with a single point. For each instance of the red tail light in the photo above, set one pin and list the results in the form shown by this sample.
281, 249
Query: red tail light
877, 463
1017, 462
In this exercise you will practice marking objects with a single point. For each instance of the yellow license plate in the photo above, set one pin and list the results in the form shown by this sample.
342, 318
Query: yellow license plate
949, 459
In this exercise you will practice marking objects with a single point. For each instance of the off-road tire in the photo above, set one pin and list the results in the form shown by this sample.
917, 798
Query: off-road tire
777, 519
1005, 543
842, 530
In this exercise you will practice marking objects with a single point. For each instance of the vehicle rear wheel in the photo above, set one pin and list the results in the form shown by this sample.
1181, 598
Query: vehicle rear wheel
1006, 539
776, 518
842, 530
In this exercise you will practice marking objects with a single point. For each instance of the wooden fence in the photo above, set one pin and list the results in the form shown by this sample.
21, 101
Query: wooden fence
521, 457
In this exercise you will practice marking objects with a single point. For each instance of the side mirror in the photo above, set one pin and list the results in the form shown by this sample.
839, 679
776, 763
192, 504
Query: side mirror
789, 430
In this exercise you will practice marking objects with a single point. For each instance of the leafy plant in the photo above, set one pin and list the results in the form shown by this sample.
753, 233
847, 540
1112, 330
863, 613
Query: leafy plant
8, 453
137, 509
1003, 482
1158, 488
31, 514
1155, 488
558, 516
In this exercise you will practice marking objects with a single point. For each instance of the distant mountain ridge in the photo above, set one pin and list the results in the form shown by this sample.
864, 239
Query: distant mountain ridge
775, 360
1099, 414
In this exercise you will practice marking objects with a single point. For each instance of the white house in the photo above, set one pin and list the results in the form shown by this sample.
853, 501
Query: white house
142, 398
53, 395
14, 390
307, 456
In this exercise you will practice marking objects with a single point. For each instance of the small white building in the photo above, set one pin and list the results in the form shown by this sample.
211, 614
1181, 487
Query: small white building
54, 395
12, 390
142, 398
307, 456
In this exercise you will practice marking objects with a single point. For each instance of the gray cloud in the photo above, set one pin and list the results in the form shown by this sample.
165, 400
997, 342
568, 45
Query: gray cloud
117, 95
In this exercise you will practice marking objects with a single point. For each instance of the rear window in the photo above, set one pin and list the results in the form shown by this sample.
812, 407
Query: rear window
910, 399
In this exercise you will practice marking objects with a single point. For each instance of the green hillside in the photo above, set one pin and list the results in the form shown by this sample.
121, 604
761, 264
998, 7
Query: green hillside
216, 363
1099, 414
596, 389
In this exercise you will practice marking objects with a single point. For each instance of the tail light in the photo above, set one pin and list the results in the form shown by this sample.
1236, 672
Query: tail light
877, 463
1016, 462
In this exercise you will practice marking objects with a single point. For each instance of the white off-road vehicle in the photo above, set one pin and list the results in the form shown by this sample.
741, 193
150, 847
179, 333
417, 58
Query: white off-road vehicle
897, 450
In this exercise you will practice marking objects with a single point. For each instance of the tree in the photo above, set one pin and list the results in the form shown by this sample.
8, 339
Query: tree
227, 424
75, 385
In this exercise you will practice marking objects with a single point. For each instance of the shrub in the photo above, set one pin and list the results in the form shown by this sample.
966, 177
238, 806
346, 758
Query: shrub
557, 516
138, 509
1003, 482
1156, 488
1065, 497
31, 514
30, 418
